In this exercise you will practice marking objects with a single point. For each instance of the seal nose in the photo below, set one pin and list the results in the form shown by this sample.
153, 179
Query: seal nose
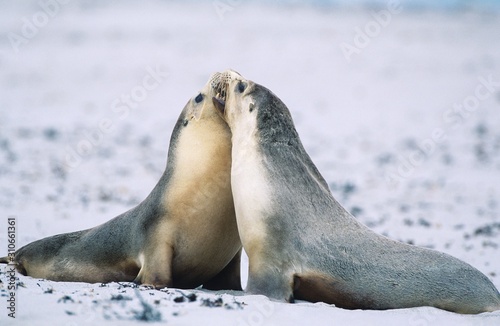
219, 78
219, 82
215, 80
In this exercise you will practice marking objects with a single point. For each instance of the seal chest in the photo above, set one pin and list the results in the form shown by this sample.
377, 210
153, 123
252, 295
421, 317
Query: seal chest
249, 185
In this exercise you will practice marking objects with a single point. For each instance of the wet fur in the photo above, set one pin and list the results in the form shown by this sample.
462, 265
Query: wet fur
309, 247
183, 234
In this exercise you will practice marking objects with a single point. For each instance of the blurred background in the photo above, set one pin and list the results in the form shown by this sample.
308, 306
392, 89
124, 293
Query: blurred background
397, 102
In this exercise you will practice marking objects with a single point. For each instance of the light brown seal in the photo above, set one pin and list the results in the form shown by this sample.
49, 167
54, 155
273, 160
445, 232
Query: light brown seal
183, 234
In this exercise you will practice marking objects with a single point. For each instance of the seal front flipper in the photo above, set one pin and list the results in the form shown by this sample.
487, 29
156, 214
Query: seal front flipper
156, 267
229, 278
273, 283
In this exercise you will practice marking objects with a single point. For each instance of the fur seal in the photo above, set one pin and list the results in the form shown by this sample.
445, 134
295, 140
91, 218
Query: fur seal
183, 235
303, 244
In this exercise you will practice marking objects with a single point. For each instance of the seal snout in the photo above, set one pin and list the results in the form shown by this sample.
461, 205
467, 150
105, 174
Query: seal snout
220, 96
219, 84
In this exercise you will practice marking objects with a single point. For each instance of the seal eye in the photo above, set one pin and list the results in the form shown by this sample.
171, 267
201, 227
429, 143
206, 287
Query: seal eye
241, 87
185, 122
198, 98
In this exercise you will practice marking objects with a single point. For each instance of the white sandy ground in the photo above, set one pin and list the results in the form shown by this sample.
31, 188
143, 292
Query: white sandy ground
358, 121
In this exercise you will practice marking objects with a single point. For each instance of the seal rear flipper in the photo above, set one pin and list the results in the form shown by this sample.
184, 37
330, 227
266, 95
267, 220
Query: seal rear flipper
19, 266
316, 287
156, 279
156, 267
228, 278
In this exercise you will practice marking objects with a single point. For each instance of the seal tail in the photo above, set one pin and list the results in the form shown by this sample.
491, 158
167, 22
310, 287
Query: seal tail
4, 260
